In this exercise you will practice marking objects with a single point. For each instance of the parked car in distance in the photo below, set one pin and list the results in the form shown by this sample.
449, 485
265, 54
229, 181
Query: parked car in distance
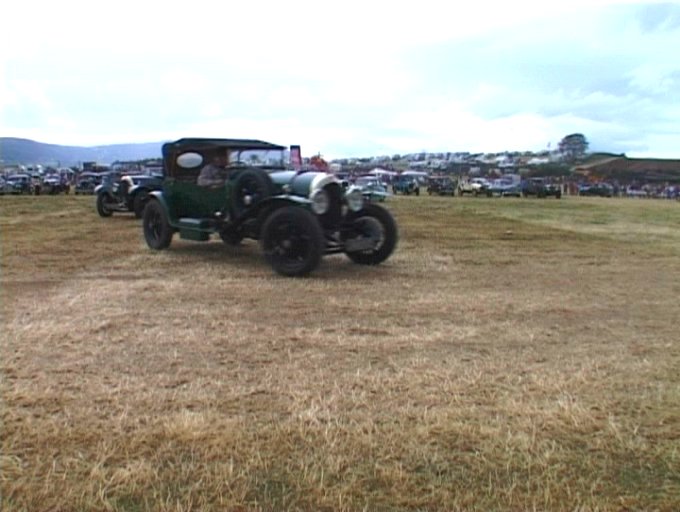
441, 185
504, 187
406, 185
372, 188
596, 189
127, 193
297, 217
55, 184
87, 181
540, 187
19, 184
473, 186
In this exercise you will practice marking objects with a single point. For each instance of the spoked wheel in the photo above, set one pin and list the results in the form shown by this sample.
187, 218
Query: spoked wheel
157, 230
250, 186
292, 241
377, 224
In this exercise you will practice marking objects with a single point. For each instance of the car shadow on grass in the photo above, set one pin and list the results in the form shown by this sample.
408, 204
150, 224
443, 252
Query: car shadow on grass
248, 256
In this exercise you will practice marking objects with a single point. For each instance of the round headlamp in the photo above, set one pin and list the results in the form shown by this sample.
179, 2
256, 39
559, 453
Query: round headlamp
355, 199
320, 201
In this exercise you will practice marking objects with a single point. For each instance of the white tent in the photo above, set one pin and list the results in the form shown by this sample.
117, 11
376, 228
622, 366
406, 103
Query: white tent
419, 174
382, 172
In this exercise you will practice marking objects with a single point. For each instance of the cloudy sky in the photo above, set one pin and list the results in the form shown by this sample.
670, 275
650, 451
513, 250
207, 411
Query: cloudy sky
345, 78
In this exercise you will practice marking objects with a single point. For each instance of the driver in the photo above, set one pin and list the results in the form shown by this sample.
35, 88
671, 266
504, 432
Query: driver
213, 174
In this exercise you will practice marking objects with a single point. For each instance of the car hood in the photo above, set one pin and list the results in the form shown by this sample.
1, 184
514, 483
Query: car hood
301, 183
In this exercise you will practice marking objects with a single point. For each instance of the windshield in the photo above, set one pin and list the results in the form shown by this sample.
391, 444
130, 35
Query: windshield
257, 157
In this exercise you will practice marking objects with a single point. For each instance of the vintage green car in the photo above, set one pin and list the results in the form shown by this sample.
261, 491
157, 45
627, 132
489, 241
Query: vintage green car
297, 216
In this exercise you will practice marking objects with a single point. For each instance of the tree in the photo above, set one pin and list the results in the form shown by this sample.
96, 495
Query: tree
573, 147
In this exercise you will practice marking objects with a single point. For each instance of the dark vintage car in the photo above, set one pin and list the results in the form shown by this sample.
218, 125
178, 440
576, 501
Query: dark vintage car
127, 193
540, 187
596, 189
297, 216
19, 184
406, 185
441, 185
505, 187
87, 181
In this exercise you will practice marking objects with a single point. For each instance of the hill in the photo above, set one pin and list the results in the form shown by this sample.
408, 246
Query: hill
15, 151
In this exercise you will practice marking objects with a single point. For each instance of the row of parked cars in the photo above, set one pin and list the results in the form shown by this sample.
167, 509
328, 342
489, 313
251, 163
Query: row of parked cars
375, 188
502, 187
23, 183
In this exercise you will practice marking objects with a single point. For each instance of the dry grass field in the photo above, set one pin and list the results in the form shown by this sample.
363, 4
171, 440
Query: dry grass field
513, 354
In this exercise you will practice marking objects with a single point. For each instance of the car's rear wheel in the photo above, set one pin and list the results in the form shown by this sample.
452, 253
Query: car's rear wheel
378, 224
157, 230
102, 209
292, 241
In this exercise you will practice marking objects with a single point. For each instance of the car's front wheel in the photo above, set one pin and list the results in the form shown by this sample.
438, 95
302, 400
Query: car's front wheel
157, 230
377, 224
292, 241
102, 208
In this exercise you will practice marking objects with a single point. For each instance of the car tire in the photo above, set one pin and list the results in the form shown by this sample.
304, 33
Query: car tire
249, 187
102, 210
292, 241
157, 230
139, 202
368, 222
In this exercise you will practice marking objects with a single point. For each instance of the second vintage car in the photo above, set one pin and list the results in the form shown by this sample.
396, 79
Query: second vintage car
127, 193
240, 188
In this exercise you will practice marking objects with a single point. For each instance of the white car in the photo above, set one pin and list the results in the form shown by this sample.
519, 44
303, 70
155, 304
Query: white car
474, 186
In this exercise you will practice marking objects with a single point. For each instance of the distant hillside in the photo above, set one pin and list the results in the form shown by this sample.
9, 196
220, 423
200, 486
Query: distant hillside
15, 151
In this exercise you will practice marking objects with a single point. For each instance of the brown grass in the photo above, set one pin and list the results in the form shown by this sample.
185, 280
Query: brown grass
512, 355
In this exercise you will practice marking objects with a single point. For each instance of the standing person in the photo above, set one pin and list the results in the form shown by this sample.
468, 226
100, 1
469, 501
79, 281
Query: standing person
213, 174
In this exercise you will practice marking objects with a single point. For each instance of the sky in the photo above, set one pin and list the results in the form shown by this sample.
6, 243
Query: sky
344, 79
